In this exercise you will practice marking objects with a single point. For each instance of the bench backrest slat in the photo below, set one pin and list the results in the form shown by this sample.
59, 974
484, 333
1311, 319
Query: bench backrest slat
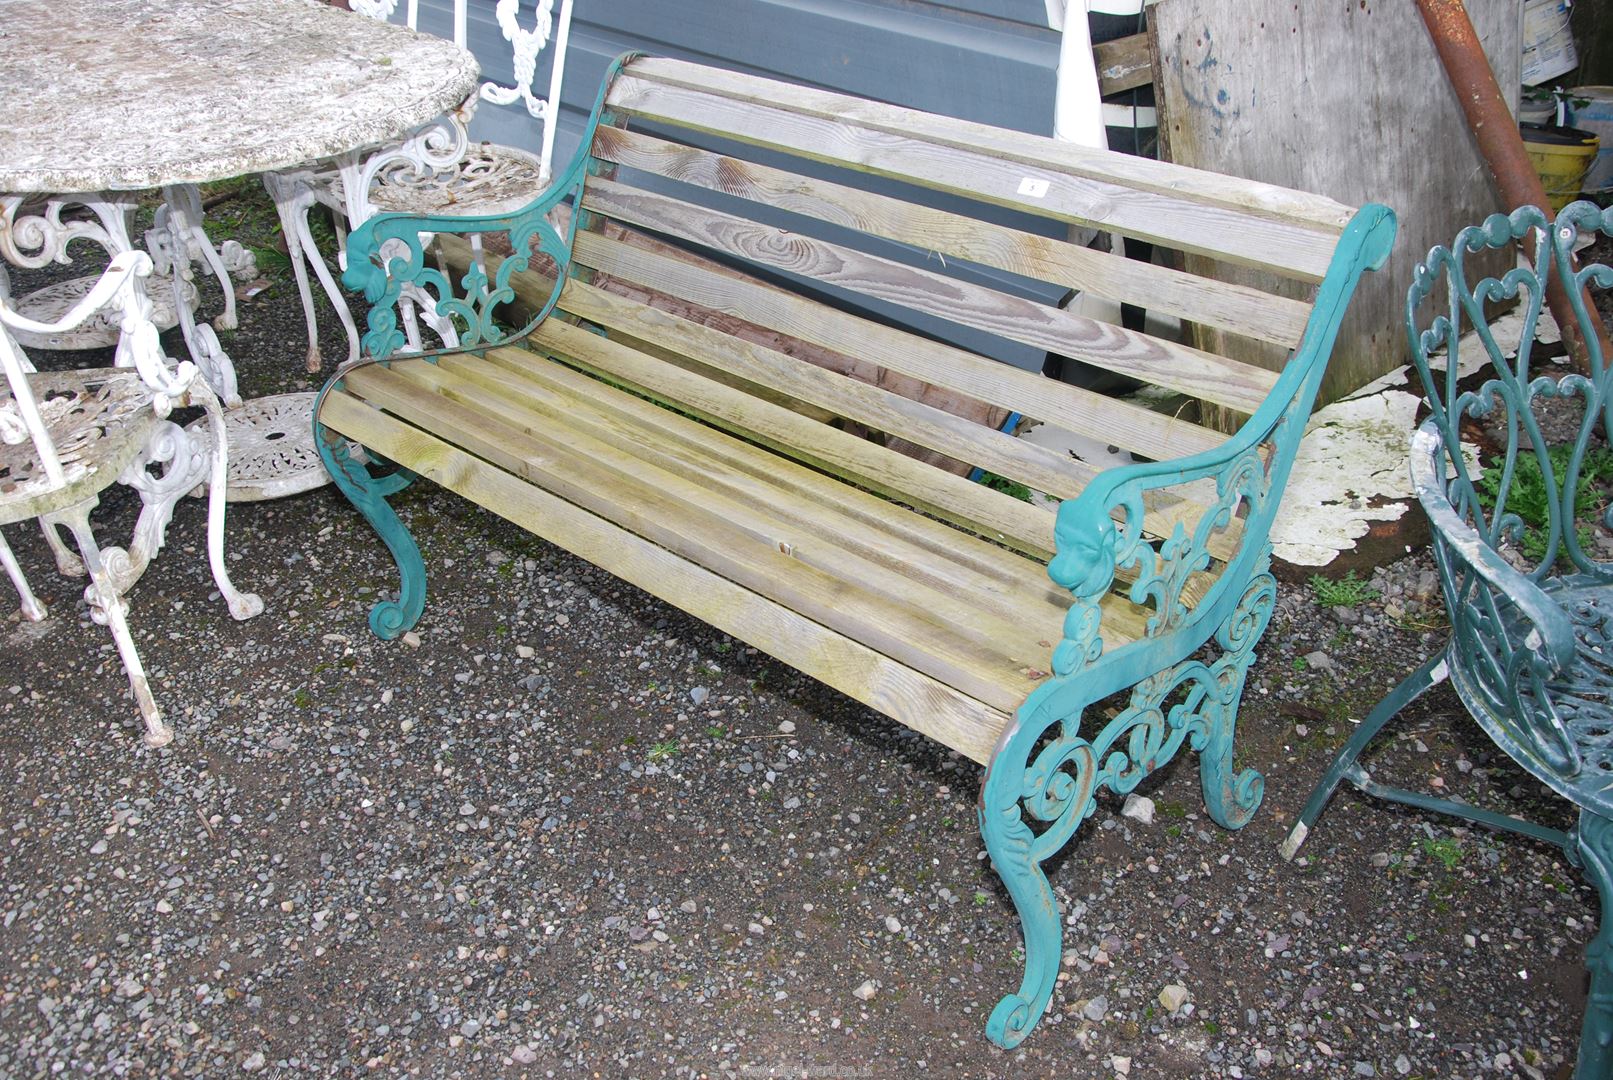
1234, 308
1284, 204
1163, 363
874, 406
1228, 234
1153, 434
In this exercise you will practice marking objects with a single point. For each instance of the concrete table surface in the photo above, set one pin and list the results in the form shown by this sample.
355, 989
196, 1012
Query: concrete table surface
131, 94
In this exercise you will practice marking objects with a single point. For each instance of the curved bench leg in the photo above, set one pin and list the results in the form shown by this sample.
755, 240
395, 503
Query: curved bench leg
1043, 781
1016, 855
1593, 841
1433, 671
1232, 797
368, 493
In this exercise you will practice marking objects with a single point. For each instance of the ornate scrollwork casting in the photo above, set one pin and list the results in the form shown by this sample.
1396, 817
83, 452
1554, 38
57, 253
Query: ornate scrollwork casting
387, 261
1092, 550
1531, 630
527, 44
1030, 815
34, 236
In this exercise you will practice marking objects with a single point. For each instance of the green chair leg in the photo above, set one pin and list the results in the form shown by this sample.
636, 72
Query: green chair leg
388, 618
1432, 672
1594, 845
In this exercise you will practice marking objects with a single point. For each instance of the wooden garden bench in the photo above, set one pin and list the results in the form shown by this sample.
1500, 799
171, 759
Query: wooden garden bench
685, 445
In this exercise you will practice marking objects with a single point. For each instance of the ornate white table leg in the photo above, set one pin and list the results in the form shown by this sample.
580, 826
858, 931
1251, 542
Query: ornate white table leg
199, 246
186, 463
167, 241
109, 609
242, 605
294, 197
32, 609
183, 466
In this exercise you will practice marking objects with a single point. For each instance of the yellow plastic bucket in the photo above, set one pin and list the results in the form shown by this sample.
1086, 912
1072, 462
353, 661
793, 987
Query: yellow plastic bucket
1562, 156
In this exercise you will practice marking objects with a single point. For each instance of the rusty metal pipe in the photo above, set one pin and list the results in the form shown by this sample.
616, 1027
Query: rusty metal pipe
1501, 146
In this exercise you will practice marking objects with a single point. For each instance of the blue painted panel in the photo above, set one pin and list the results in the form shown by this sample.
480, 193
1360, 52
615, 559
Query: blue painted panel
988, 60
992, 61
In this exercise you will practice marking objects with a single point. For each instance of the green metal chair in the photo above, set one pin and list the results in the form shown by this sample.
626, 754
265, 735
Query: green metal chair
1531, 649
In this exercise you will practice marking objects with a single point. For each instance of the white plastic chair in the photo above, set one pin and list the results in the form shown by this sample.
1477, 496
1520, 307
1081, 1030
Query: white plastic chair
437, 170
67, 436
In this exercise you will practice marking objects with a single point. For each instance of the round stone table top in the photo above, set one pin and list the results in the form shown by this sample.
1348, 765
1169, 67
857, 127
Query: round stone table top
132, 94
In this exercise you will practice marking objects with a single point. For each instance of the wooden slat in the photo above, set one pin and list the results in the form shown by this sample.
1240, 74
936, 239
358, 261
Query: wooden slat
1203, 229
1123, 424
1280, 203
974, 506
907, 696
880, 528
1123, 64
1153, 360
684, 522
1164, 509
1235, 308
814, 532
1047, 471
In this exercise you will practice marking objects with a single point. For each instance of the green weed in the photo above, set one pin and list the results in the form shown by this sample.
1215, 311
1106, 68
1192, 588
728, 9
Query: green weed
1447, 852
1531, 493
1347, 591
663, 751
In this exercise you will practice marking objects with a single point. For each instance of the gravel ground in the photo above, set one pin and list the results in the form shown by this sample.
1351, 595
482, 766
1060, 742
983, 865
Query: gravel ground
564, 830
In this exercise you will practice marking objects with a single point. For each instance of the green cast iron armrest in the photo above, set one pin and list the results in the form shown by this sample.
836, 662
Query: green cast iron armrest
1552, 640
1100, 532
387, 253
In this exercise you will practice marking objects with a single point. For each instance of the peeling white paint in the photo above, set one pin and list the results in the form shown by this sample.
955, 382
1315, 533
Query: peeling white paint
1353, 467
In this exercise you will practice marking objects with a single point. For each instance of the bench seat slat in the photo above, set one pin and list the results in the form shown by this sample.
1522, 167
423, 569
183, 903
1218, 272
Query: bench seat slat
691, 522
914, 482
910, 697
816, 535
1285, 204
1178, 367
934, 552
954, 498
1237, 309
982, 174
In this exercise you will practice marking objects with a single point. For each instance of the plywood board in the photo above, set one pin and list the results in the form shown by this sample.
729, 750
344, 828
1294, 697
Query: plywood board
1347, 100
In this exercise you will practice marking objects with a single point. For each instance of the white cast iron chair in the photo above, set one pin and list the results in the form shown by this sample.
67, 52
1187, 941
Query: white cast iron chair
437, 170
67, 436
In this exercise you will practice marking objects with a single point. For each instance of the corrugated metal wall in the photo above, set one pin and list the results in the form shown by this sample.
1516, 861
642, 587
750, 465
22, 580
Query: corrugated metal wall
992, 61
986, 60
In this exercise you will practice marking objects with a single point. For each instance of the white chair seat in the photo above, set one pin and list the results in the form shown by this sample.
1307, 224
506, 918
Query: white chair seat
492, 179
100, 330
98, 420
